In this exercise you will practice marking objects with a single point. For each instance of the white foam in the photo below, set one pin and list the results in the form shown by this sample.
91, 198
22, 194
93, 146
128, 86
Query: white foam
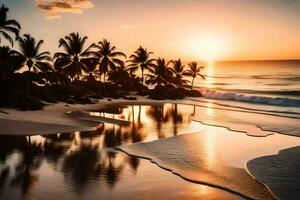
224, 95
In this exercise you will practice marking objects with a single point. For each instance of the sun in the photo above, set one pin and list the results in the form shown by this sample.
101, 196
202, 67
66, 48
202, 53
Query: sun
207, 47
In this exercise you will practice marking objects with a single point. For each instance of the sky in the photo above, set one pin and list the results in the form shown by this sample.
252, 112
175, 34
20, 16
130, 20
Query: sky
187, 29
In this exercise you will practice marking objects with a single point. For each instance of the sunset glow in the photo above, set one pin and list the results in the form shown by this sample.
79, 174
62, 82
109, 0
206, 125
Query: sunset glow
206, 47
202, 30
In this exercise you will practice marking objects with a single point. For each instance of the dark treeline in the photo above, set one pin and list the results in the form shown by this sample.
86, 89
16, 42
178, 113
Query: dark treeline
79, 71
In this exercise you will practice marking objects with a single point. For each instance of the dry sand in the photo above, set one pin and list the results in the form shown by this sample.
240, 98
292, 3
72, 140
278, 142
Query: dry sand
56, 119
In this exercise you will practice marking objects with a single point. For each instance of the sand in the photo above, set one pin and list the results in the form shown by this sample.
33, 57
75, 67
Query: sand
57, 118
53, 119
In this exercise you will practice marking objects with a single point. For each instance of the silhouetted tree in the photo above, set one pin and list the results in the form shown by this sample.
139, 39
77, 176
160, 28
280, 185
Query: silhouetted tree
8, 27
160, 74
140, 60
179, 71
33, 59
108, 57
9, 62
91, 71
75, 59
194, 71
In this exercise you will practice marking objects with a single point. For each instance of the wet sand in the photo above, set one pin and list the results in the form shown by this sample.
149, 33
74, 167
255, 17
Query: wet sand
280, 172
217, 173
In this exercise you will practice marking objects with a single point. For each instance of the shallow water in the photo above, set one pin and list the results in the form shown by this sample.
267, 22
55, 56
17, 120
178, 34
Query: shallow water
86, 165
69, 168
253, 120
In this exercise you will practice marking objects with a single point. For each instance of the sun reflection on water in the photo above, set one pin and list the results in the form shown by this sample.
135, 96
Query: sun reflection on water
210, 72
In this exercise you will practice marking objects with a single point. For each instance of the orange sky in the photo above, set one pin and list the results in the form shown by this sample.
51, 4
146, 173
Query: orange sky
190, 29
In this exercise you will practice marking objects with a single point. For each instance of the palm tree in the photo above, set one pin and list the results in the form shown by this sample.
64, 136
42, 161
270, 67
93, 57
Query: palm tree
194, 71
91, 71
8, 27
31, 55
160, 74
120, 75
9, 62
179, 72
141, 60
75, 59
108, 57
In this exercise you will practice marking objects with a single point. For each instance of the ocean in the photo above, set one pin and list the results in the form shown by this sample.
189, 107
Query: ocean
265, 82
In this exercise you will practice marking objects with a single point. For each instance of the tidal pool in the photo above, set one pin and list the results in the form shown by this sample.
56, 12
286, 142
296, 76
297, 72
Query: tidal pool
87, 164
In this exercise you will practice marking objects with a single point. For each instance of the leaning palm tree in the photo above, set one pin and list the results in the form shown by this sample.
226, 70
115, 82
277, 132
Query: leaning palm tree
108, 57
32, 58
194, 71
179, 71
75, 59
30, 53
8, 27
140, 60
160, 74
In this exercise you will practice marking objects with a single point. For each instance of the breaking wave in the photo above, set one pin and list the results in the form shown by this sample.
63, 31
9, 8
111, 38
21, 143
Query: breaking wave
234, 96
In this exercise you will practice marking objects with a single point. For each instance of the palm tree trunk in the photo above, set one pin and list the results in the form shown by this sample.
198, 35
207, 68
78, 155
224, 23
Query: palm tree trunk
142, 77
79, 93
28, 84
192, 83
104, 87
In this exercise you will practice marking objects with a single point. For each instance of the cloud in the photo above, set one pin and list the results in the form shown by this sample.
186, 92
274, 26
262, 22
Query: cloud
54, 8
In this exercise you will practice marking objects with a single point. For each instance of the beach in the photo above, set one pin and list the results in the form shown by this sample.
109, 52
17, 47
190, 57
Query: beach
184, 143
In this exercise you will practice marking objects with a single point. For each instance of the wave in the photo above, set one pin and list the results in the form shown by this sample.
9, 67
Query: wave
258, 77
269, 92
276, 101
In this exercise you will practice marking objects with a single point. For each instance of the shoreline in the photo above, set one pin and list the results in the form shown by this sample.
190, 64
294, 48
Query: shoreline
54, 119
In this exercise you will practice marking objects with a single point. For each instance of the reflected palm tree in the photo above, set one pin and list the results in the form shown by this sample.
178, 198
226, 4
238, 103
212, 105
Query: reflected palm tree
108, 58
194, 111
133, 162
8, 27
156, 112
176, 118
4, 175
82, 165
8, 144
112, 171
29, 162
139, 121
194, 71
136, 134
55, 146
140, 60
112, 138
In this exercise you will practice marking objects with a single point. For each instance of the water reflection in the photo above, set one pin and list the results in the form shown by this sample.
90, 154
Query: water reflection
83, 160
